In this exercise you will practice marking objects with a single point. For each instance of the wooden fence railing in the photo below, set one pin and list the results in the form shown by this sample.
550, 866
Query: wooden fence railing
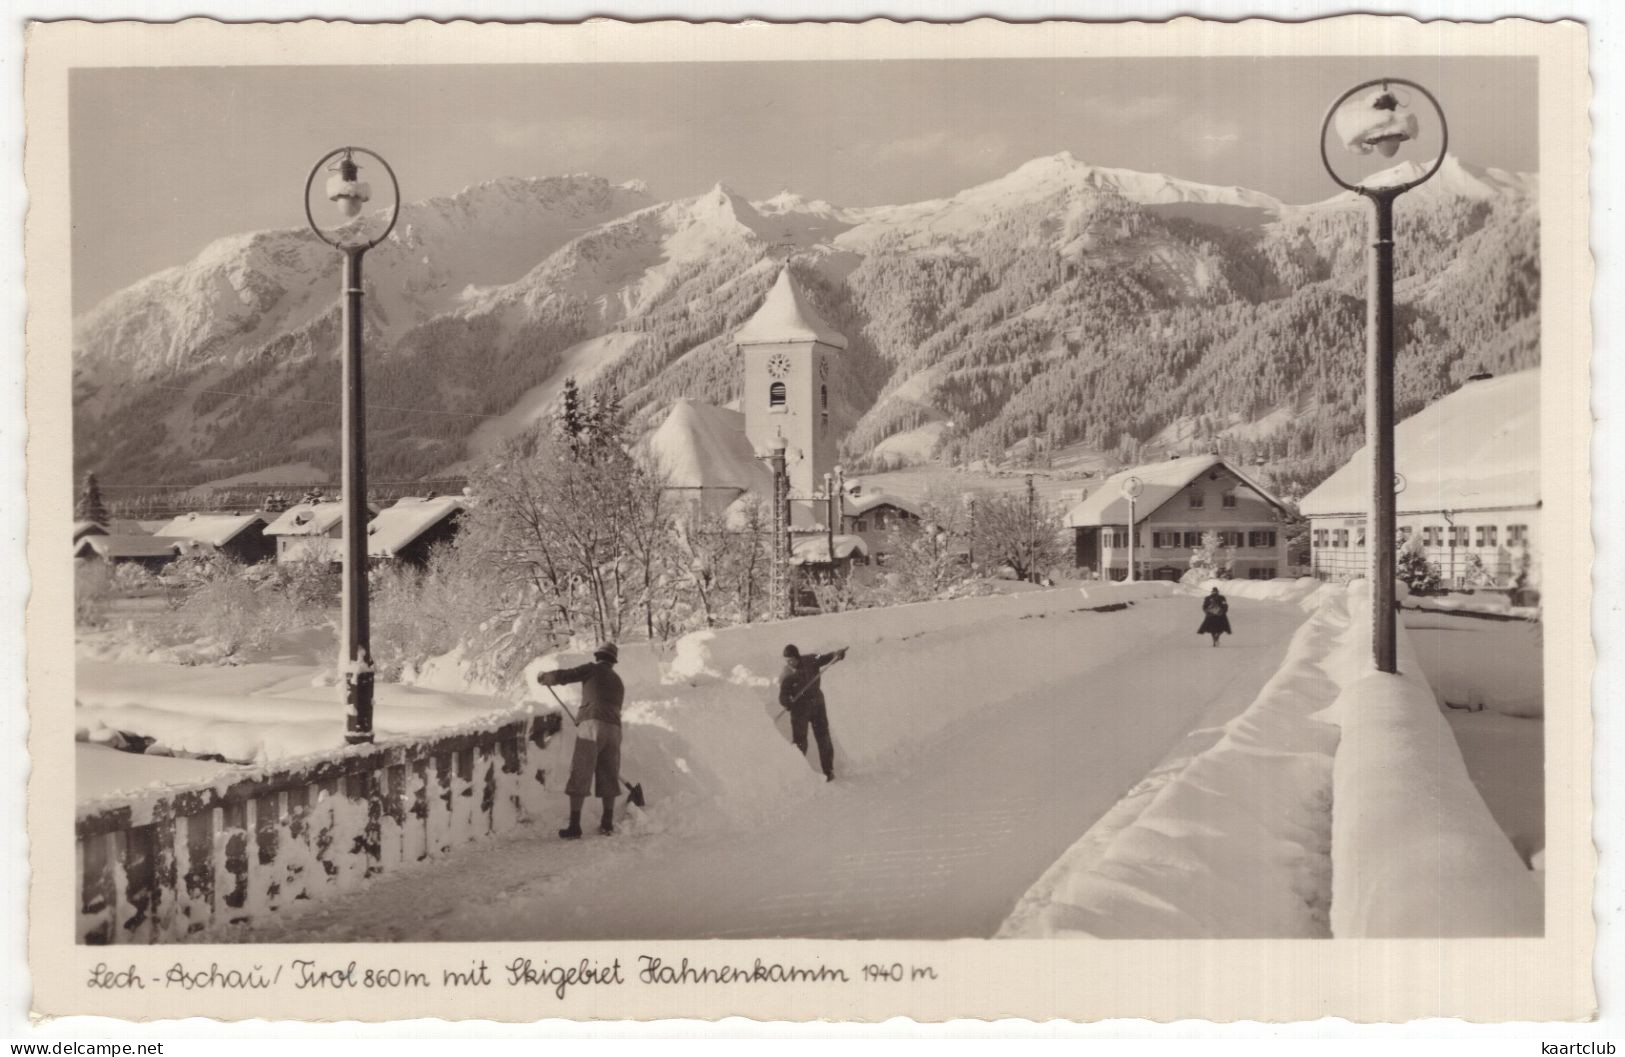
167, 865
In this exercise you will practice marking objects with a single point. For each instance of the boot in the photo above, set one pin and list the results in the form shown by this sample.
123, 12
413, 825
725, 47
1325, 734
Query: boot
573, 830
606, 825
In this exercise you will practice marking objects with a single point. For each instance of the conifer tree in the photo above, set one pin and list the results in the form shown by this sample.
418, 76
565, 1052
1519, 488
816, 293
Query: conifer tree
90, 506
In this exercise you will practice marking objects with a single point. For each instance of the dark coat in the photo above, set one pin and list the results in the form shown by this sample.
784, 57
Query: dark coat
801, 682
602, 691
1216, 620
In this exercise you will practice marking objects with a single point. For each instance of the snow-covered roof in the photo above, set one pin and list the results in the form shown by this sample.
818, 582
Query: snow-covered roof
1160, 481
214, 529
786, 315
129, 547
814, 550
307, 519
396, 527
703, 446
859, 505
88, 528
1476, 448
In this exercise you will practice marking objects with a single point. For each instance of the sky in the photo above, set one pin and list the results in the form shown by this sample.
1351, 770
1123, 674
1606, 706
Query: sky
164, 160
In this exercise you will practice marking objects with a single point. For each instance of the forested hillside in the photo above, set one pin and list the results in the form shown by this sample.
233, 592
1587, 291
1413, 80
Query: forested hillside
1082, 305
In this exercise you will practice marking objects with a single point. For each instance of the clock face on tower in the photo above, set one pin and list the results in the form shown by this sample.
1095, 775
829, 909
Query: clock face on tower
779, 365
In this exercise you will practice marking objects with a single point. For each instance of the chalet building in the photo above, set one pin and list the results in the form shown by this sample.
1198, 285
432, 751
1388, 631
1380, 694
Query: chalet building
310, 531
872, 517
238, 536
407, 531
1181, 499
1468, 485
151, 552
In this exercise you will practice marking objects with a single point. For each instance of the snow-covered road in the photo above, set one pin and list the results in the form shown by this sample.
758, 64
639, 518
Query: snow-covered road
940, 843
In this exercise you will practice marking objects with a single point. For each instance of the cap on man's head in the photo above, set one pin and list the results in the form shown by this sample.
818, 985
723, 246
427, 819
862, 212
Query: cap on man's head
791, 651
608, 652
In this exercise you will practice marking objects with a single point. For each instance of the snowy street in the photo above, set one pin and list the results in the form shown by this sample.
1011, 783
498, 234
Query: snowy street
937, 841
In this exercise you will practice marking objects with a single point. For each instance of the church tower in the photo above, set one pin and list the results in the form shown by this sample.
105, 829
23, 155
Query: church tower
791, 357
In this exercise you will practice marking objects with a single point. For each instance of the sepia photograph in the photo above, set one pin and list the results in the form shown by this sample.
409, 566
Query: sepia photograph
833, 496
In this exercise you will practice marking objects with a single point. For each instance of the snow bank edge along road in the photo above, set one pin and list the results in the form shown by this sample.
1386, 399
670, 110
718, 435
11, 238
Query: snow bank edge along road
1263, 793
1232, 842
1399, 871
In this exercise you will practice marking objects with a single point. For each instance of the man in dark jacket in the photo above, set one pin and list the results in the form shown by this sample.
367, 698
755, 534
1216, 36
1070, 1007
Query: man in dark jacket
802, 693
597, 757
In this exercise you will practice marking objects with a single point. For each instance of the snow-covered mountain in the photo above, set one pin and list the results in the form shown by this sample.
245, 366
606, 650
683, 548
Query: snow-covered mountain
1097, 305
1455, 179
242, 291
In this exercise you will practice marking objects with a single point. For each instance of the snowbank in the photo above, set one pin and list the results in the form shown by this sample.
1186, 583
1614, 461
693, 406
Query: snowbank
1415, 850
1232, 842
1300, 589
254, 712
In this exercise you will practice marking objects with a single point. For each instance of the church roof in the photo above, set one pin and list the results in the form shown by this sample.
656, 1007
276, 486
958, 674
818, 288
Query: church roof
702, 446
786, 315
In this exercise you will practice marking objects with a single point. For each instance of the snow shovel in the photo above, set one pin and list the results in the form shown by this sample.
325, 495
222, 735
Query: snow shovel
634, 790
804, 689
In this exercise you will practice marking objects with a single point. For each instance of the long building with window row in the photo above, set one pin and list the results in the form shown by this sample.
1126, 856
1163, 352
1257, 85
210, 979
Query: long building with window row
1469, 486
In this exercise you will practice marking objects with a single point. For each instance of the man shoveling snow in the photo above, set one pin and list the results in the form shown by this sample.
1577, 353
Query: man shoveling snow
596, 761
802, 695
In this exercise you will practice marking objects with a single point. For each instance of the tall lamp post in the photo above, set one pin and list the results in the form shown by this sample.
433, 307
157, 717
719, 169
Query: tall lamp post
1132, 487
349, 194
1380, 120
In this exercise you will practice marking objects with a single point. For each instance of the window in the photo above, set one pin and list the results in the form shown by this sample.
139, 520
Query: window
1517, 535
1405, 533
775, 396
1458, 535
1229, 499
1261, 538
1320, 537
1432, 535
1486, 536
1197, 499
862, 525
1340, 537
1193, 539
823, 397
1230, 539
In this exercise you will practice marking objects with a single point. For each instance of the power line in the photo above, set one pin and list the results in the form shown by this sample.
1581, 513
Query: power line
319, 403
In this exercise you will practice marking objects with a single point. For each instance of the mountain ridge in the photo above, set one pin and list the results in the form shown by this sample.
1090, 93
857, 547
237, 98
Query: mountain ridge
1024, 304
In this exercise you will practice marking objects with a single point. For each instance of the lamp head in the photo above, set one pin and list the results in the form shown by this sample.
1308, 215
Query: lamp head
1380, 120
345, 188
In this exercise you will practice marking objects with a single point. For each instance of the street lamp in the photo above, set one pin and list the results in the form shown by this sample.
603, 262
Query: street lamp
1132, 487
349, 194
1378, 118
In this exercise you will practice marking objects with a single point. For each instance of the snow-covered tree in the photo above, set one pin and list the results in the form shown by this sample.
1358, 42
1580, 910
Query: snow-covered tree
1209, 560
1412, 567
1018, 530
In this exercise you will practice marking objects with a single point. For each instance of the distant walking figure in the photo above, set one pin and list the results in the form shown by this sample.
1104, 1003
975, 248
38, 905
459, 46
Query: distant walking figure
1216, 621
802, 694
